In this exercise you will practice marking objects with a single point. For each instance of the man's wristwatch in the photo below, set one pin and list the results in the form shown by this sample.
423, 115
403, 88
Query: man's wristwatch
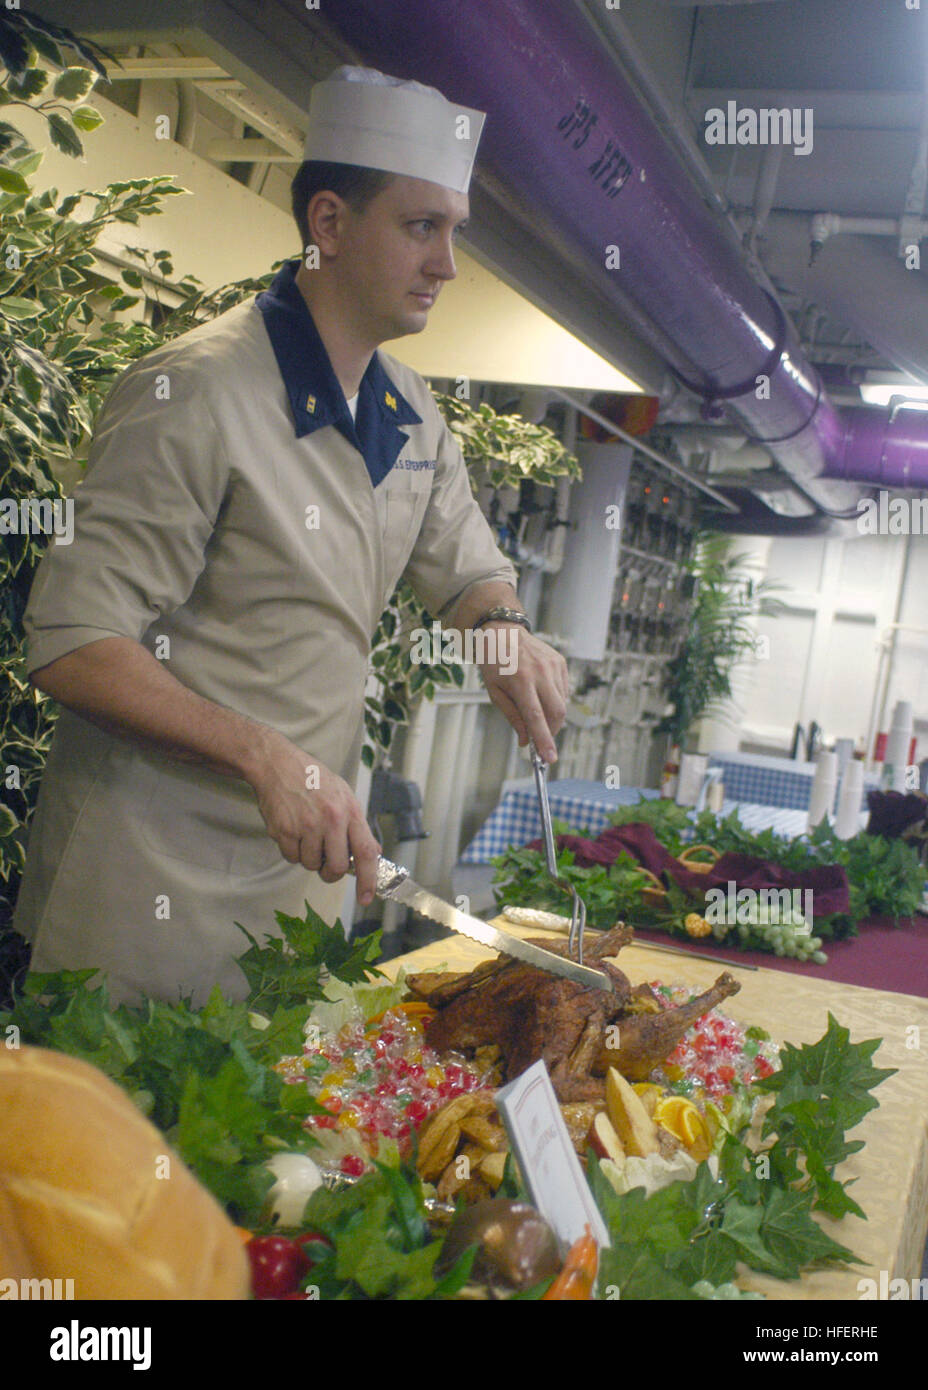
504, 615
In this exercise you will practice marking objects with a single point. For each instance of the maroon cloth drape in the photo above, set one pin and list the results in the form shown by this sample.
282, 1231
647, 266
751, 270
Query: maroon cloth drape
827, 883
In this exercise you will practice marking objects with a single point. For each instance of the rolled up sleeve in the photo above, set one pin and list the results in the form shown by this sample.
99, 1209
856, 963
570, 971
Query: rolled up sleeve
455, 548
143, 516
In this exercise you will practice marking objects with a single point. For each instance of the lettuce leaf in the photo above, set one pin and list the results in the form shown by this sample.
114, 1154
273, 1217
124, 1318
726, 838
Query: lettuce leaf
342, 1001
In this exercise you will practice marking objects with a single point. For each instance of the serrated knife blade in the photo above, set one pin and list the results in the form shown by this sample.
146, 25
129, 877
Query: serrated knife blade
394, 883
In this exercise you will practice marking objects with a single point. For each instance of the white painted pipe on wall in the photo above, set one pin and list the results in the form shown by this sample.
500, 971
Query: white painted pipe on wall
580, 600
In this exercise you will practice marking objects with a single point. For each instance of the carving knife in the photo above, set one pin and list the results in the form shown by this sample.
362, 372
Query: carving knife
393, 882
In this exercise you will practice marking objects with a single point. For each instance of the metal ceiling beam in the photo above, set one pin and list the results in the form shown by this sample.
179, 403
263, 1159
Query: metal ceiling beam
163, 69
247, 152
843, 110
258, 113
112, 22
275, 54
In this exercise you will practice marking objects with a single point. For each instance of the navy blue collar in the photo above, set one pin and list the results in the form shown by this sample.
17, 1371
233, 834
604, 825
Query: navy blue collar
316, 398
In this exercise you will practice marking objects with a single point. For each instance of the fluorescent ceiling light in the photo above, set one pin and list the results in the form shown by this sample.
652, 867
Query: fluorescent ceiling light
915, 397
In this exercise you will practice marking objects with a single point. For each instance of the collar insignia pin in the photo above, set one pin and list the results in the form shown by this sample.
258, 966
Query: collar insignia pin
311, 405
390, 400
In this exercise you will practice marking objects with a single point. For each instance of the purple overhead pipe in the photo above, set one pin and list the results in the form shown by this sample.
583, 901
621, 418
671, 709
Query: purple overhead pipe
581, 158
884, 450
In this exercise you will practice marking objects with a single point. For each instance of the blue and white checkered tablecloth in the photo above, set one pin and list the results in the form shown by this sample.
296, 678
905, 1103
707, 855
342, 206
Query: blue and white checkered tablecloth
768, 781
587, 806
785, 821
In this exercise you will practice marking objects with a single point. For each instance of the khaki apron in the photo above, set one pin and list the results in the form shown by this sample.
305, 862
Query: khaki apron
159, 862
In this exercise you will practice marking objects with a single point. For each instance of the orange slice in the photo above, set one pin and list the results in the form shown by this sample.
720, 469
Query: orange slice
682, 1119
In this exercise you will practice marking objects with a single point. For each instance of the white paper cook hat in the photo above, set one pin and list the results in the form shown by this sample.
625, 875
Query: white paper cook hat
364, 117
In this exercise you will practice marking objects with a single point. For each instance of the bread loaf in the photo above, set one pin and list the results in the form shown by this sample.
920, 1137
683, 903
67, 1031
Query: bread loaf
90, 1191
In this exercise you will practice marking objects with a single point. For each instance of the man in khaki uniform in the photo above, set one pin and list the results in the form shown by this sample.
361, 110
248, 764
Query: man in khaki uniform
256, 489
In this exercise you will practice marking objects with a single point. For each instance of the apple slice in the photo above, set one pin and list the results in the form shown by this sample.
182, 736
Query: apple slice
632, 1122
604, 1139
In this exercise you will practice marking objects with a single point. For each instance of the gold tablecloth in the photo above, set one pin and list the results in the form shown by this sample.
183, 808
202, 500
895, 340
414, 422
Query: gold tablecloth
892, 1168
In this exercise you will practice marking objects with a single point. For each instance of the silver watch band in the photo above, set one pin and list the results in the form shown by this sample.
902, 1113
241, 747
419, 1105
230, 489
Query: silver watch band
504, 615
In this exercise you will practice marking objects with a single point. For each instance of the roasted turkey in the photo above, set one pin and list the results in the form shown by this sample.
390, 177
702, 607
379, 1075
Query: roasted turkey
579, 1033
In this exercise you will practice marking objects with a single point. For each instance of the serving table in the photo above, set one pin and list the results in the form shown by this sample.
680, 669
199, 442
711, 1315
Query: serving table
892, 1168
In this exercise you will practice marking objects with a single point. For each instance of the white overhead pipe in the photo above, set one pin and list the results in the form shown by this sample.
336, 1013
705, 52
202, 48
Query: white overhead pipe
765, 191
828, 224
909, 230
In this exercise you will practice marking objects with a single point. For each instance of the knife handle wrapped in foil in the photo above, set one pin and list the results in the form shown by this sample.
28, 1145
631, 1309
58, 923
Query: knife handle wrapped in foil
389, 876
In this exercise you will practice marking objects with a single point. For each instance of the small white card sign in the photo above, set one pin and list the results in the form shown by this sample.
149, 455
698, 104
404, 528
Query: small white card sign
549, 1164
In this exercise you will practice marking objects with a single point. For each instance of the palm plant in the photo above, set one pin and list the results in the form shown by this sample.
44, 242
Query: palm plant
720, 637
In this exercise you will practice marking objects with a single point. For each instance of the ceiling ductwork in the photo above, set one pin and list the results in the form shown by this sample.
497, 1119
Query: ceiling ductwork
884, 448
587, 169
756, 519
860, 281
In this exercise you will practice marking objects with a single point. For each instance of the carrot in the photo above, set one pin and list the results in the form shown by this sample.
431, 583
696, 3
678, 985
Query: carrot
576, 1279
243, 1235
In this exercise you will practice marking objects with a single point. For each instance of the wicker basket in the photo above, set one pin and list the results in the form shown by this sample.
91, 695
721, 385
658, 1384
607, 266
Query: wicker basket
656, 896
